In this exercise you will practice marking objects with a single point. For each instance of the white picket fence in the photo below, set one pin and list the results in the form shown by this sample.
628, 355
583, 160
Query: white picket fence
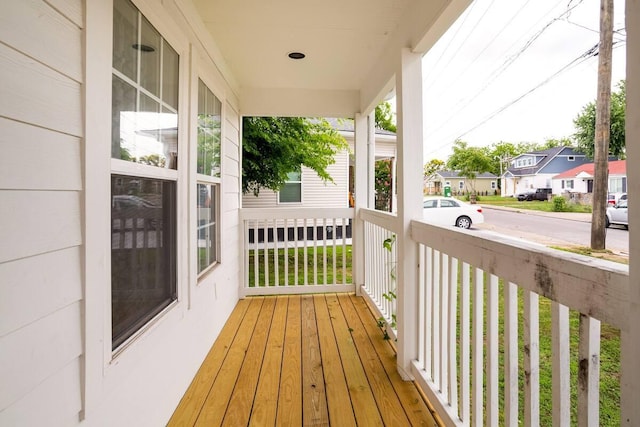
291, 251
469, 338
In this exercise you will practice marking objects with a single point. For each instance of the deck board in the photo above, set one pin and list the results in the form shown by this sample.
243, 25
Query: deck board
301, 360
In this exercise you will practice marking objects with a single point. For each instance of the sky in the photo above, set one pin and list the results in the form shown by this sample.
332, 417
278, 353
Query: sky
476, 78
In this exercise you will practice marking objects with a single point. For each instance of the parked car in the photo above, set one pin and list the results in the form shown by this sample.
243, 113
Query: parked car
450, 211
537, 194
617, 214
614, 198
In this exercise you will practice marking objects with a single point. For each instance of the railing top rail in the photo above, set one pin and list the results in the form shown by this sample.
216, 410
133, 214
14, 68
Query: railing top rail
295, 213
383, 219
592, 286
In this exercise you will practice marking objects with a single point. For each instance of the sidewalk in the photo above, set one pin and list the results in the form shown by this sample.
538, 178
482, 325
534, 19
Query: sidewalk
573, 216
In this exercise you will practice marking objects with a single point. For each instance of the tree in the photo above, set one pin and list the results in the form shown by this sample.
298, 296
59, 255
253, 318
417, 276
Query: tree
585, 124
384, 117
432, 167
469, 161
273, 147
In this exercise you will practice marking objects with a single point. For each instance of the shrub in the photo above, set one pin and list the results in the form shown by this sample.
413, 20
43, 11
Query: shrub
559, 204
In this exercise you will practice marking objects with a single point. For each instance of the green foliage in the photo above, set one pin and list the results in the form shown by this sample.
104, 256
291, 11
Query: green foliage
559, 204
390, 296
273, 147
469, 161
432, 167
384, 117
585, 124
383, 184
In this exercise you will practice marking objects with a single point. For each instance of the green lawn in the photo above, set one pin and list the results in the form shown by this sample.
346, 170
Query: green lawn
512, 202
300, 261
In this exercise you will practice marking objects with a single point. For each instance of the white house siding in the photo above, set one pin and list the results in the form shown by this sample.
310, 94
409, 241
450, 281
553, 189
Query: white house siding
41, 131
56, 367
315, 192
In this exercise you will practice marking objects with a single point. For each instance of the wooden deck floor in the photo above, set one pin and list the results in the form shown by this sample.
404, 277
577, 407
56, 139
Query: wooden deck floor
301, 360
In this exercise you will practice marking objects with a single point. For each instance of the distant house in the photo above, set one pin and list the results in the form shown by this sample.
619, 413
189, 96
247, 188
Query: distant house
306, 189
536, 169
483, 183
580, 179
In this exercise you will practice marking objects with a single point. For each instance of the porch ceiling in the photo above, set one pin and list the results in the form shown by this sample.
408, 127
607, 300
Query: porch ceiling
351, 47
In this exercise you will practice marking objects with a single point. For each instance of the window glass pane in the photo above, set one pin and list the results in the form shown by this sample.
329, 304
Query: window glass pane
209, 133
123, 109
294, 176
143, 251
150, 58
125, 37
169, 76
207, 226
291, 193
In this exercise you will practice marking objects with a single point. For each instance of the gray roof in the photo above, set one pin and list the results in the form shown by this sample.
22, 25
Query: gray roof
547, 155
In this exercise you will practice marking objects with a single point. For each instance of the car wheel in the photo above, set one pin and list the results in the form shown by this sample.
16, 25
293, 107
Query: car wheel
606, 222
463, 222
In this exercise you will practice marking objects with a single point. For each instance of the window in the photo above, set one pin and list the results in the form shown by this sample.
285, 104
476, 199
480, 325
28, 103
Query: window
208, 176
617, 185
445, 203
461, 185
291, 192
143, 197
493, 185
571, 158
447, 183
567, 183
433, 203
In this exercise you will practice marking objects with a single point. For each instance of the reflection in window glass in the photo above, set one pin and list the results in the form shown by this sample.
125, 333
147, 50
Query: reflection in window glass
207, 226
143, 252
150, 58
209, 115
125, 36
144, 112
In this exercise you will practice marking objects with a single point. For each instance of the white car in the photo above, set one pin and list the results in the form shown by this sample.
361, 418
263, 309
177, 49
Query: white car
450, 211
617, 214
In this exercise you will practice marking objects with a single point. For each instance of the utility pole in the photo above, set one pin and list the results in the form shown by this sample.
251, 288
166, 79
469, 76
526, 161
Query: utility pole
603, 125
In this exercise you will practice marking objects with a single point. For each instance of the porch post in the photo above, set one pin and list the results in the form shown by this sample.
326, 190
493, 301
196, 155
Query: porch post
361, 197
630, 377
409, 163
371, 160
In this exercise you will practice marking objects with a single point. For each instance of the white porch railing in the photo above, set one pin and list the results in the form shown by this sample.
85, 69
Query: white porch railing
465, 327
479, 357
381, 260
293, 250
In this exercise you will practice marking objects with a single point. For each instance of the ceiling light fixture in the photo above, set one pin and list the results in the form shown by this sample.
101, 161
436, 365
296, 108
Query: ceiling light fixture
296, 55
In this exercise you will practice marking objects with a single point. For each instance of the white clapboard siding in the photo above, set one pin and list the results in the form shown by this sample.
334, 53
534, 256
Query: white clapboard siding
34, 93
55, 402
34, 158
70, 9
61, 52
315, 192
27, 294
31, 354
36, 222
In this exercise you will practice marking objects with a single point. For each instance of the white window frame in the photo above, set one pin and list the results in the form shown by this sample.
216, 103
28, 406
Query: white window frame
571, 158
301, 183
493, 185
461, 185
208, 180
127, 168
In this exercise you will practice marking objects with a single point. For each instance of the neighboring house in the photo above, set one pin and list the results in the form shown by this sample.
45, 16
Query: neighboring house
483, 183
537, 168
580, 179
307, 190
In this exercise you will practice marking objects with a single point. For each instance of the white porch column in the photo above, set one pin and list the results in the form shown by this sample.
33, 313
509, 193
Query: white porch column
371, 160
410, 139
630, 377
361, 196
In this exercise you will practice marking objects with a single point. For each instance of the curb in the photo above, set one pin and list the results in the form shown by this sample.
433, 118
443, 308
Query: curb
572, 216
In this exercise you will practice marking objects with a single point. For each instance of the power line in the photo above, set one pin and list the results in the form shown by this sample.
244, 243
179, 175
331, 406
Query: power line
588, 54
508, 62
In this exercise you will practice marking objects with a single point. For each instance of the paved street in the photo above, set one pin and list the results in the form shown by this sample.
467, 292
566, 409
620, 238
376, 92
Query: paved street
550, 228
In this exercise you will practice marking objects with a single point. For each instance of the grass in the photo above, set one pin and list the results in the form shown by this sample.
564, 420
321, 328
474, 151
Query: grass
312, 278
546, 206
